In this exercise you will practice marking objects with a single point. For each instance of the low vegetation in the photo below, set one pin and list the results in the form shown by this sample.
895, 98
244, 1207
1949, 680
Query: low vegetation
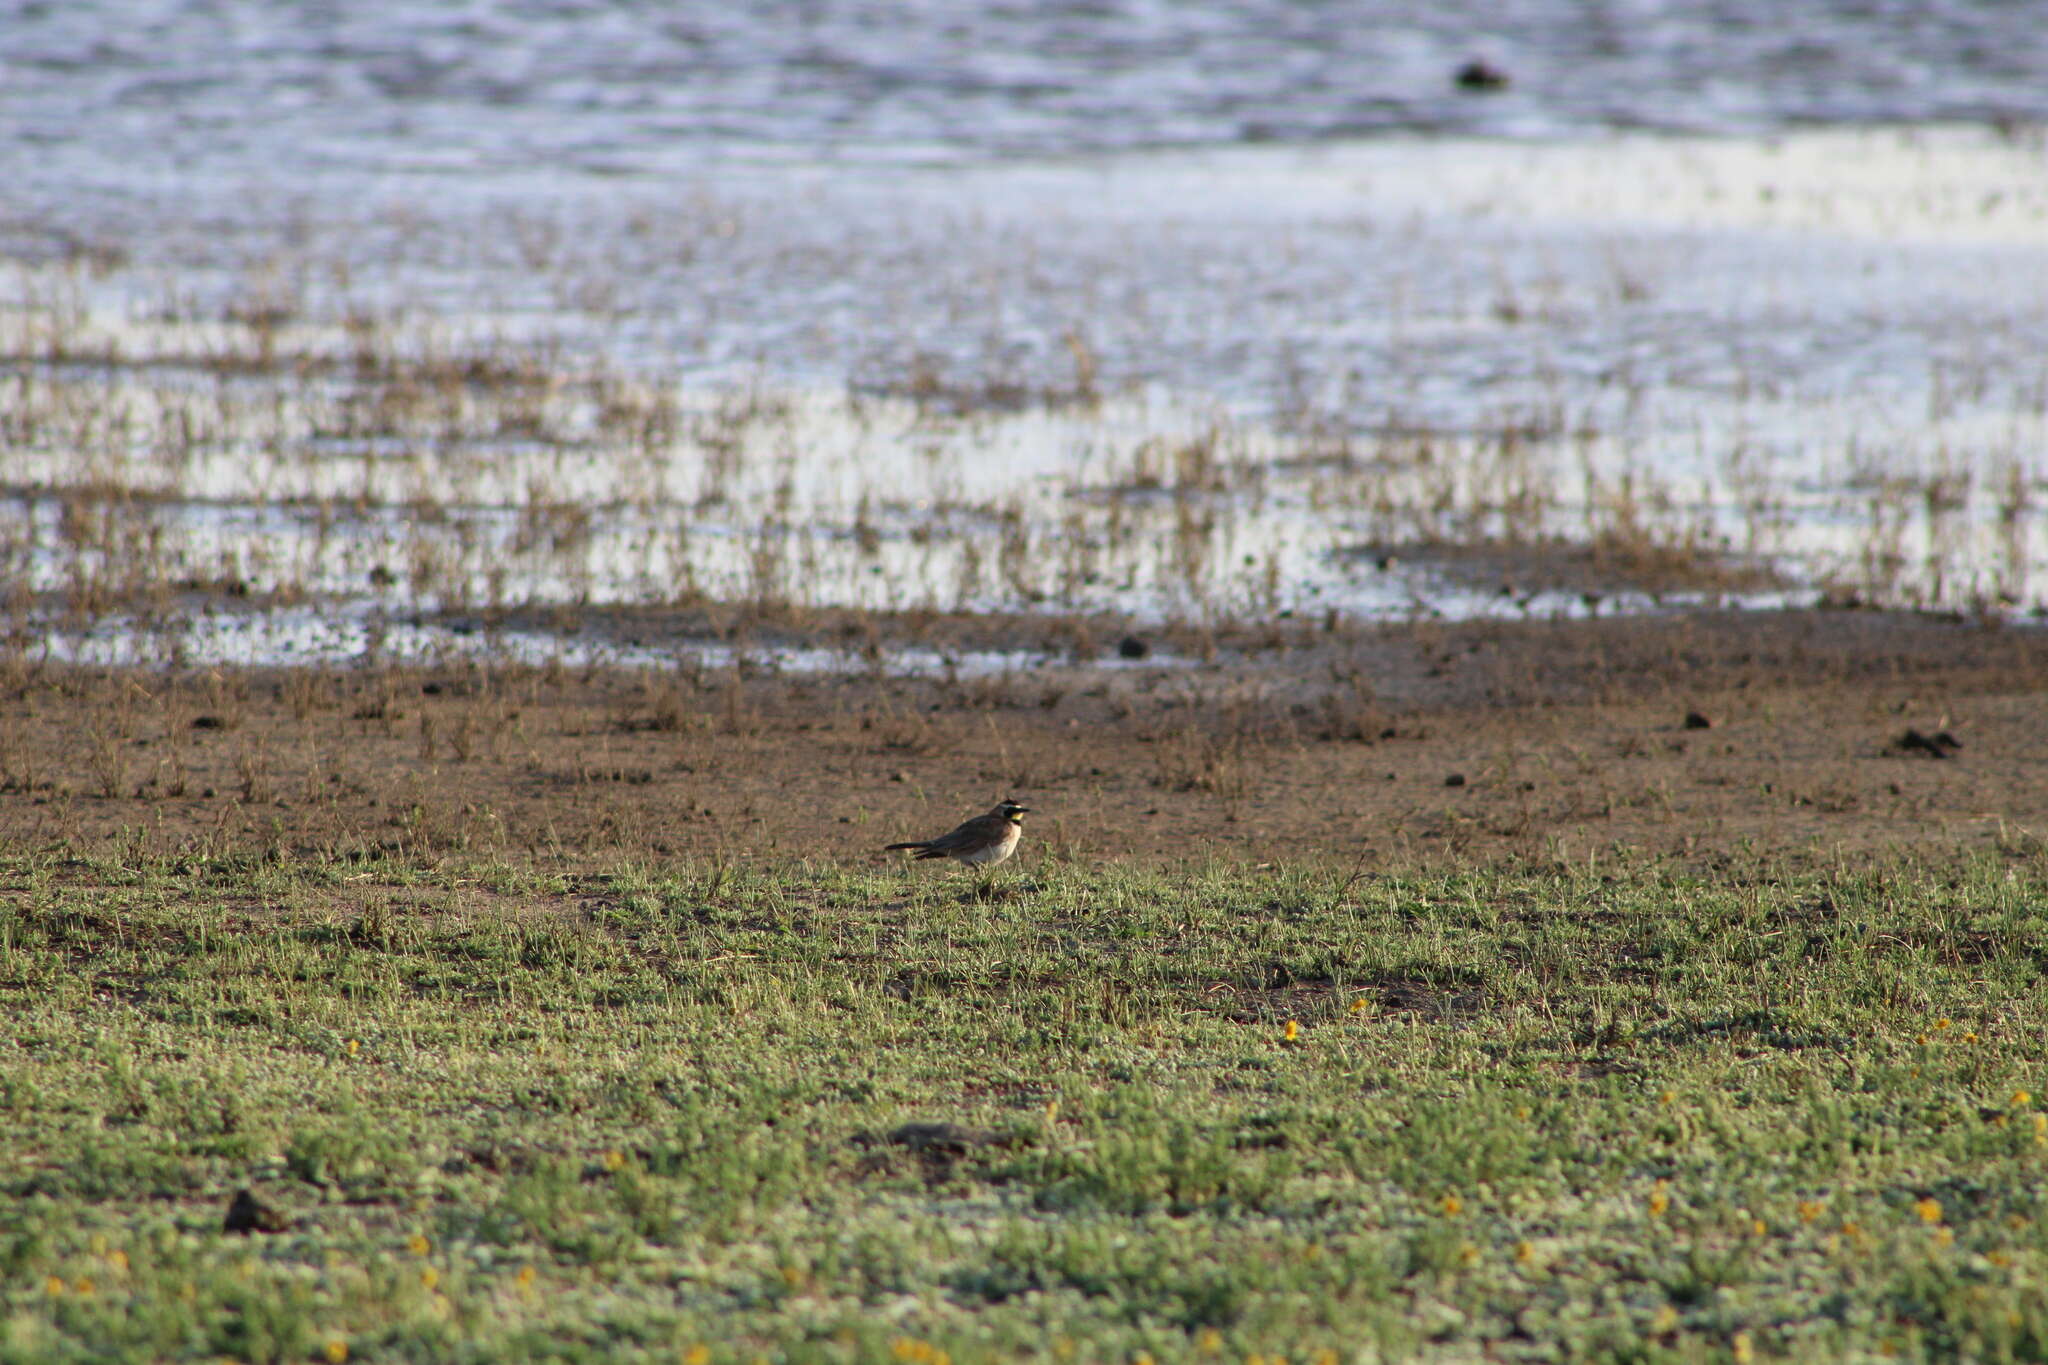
1609, 1109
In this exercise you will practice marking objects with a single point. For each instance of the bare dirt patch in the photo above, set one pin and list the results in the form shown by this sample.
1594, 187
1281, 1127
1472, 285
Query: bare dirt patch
1700, 737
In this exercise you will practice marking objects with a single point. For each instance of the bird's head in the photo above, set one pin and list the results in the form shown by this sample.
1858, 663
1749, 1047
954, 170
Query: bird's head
1012, 812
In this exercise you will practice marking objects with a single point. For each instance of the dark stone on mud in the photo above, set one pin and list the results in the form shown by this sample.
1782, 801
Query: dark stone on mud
1131, 647
1455, 780
1934, 746
1698, 720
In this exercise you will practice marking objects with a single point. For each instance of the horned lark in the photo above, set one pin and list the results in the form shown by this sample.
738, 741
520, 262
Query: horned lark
981, 842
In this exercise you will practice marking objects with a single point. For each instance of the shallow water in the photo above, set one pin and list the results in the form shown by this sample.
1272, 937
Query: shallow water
313, 88
477, 317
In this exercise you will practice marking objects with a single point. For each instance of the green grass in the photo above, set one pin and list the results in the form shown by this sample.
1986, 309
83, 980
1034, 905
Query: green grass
1627, 1112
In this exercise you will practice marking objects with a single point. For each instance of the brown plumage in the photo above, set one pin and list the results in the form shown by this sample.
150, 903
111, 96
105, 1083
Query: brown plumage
981, 842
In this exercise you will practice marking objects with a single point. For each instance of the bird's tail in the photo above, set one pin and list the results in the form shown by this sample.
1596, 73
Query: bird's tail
891, 848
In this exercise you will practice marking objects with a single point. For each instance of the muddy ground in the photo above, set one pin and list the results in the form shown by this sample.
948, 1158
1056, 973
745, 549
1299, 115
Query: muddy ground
1700, 737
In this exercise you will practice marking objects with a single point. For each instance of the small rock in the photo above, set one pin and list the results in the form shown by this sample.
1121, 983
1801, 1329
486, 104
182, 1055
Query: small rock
1934, 746
246, 1214
1131, 647
1455, 780
1698, 720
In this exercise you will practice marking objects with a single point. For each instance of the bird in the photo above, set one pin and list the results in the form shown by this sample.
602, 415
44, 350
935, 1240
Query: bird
981, 842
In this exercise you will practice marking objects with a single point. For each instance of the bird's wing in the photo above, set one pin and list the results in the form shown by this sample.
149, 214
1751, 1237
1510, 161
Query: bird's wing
965, 835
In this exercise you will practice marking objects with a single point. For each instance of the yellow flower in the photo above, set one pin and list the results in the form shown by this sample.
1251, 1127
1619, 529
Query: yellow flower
1052, 1111
1741, 1348
1360, 1005
55, 1286
1522, 1111
1142, 1358
1209, 1340
525, 1277
1659, 1199
1451, 1205
83, 1285
1666, 1319
1944, 1236
2021, 1099
1525, 1251
1293, 1030
613, 1159
1852, 1229
353, 1045
699, 1354
429, 1277
337, 1350
118, 1259
1998, 1258
1326, 1356
907, 1348
1929, 1210
1468, 1254
1809, 1210
418, 1245
1944, 1022
1668, 1098
1969, 1037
